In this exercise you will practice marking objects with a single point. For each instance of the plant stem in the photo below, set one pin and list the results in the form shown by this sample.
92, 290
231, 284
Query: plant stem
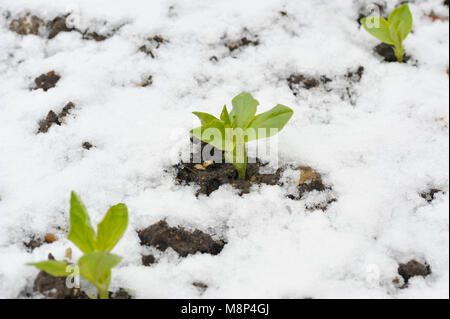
104, 294
399, 52
239, 166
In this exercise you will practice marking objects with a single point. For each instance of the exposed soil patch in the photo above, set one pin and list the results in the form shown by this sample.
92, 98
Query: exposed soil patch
56, 26
56, 288
246, 39
148, 260
26, 25
355, 75
147, 82
153, 44
413, 268
429, 195
241, 43
32, 25
53, 118
297, 82
87, 146
34, 243
387, 52
211, 175
352, 77
310, 180
200, 286
47, 81
161, 236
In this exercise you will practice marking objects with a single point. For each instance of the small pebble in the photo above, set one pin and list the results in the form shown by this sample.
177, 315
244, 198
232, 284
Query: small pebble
50, 238
199, 167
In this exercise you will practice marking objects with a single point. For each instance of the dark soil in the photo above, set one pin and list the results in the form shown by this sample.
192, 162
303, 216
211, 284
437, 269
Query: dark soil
87, 146
46, 81
429, 195
355, 76
161, 236
120, 294
200, 286
241, 43
34, 243
56, 26
56, 288
31, 25
153, 44
26, 25
387, 52
413, 268
211, 177
148, 81
148, 260
94, 36
297, 82
352, 77
53, 118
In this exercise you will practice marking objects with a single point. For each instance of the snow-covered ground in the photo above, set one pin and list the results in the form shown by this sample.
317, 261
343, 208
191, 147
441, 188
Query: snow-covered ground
378, 151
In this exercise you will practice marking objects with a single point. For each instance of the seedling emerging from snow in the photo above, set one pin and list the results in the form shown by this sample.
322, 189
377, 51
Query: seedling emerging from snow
233, 130
392, 32
96, 263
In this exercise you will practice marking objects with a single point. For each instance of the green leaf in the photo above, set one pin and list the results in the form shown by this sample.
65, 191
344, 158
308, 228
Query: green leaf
112, 227
213, 133
276, 118
53, 267
244, 109
96, 268
401, 20
225, 117
81, 232
205, 118
378, 28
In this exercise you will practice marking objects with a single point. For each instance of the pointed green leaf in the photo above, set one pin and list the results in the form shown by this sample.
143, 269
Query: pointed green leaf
53, 267
225, 117
81, 232
112, 227
96, 267
213, 133
205, 118
401, 20
244, 109
274, 119
378, 27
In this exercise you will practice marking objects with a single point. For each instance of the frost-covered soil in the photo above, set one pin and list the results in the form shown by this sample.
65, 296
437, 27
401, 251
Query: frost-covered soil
379, 148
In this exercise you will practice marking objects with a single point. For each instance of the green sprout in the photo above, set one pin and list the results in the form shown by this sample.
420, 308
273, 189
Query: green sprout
392, 32
233, 130
96, 263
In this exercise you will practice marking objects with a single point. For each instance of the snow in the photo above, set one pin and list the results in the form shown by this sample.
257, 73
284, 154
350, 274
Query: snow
378, 153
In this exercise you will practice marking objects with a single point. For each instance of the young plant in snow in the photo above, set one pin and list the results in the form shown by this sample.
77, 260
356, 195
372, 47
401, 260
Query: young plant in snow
96, 263
392, 32
233, 130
